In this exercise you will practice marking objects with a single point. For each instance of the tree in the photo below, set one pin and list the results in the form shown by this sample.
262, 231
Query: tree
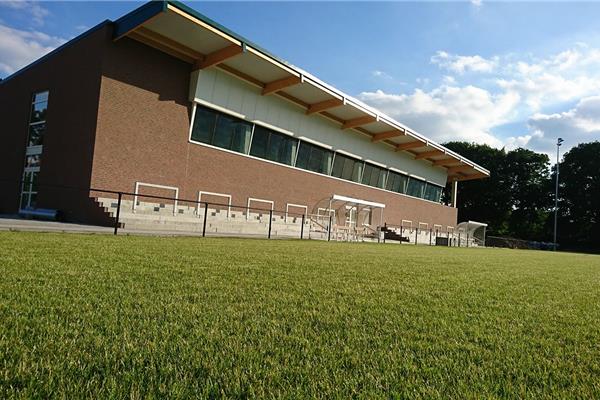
515, 200
485, 200
527, 175
579, 197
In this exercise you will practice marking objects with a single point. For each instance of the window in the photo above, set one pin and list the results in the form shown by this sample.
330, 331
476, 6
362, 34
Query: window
415, 187
396, 182
29, 189
432, 192
32, 161
221, 130
347, 168
37, 118
224, 131
273, 146
314, 158
374, 176
33, 154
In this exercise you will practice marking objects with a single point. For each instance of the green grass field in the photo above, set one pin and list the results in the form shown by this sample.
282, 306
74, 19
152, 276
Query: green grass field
143, 317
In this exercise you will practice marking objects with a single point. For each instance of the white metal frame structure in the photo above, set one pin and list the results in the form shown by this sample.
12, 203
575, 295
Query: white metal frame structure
403, 225
287, 209
355, 203
250, 199
201, 192
153, 185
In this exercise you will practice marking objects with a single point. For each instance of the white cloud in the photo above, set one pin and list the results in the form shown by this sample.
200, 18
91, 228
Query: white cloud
33, 8
577, 125
522, 89
19, 48
476, 3
461, 64
447, 112
449, 80
563, 77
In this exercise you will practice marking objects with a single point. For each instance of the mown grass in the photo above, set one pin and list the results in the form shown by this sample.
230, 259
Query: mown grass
143, 317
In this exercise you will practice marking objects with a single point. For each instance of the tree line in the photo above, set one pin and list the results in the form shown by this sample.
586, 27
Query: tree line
517, 200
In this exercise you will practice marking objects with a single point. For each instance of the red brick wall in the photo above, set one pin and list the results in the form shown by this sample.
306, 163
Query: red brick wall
142, 135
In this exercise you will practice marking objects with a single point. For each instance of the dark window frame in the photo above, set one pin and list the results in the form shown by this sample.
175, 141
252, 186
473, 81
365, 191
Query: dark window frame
312, 150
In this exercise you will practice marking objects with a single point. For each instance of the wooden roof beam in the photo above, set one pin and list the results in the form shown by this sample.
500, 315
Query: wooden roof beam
387, 135
428, 154
353, 123
279, 84
219, 56
459, 168
323, 105
410, 145
479, 175
446, 161
166, 44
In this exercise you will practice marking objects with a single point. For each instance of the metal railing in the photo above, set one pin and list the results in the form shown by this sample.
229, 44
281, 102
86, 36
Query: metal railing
302, 225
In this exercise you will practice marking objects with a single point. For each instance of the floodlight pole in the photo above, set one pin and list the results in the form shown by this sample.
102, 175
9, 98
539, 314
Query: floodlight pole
558, 143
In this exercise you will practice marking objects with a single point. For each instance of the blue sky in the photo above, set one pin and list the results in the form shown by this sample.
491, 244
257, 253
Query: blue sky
503, 73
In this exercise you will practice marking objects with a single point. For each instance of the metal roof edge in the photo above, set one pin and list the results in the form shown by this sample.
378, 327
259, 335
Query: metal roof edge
138, 16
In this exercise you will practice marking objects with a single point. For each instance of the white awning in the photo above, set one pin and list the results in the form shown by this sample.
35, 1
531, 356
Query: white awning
337, 197
470, 226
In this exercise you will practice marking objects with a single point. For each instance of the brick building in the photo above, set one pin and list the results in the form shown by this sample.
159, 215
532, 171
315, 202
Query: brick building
165, 99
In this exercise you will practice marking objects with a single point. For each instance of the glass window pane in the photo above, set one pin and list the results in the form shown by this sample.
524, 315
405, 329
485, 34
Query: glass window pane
347, 168
415, 187
32, 200
304, 156
38, 112
367, 175
32, 161
232, 133
373, 176
204, 125
41, 96
338, 165
396, 182
24, 200
242, 131
433, 192
36, 134
223, 132
381, 179
314, 158
357, 168
275, 147
290, 150
260, 141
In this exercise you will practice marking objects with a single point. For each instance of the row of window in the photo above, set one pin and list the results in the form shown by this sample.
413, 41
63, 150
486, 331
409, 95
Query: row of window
231, 133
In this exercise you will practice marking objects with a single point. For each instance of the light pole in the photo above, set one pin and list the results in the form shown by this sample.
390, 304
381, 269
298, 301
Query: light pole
558, 143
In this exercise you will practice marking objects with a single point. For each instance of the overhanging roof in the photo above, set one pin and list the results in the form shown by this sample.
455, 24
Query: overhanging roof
188, 35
